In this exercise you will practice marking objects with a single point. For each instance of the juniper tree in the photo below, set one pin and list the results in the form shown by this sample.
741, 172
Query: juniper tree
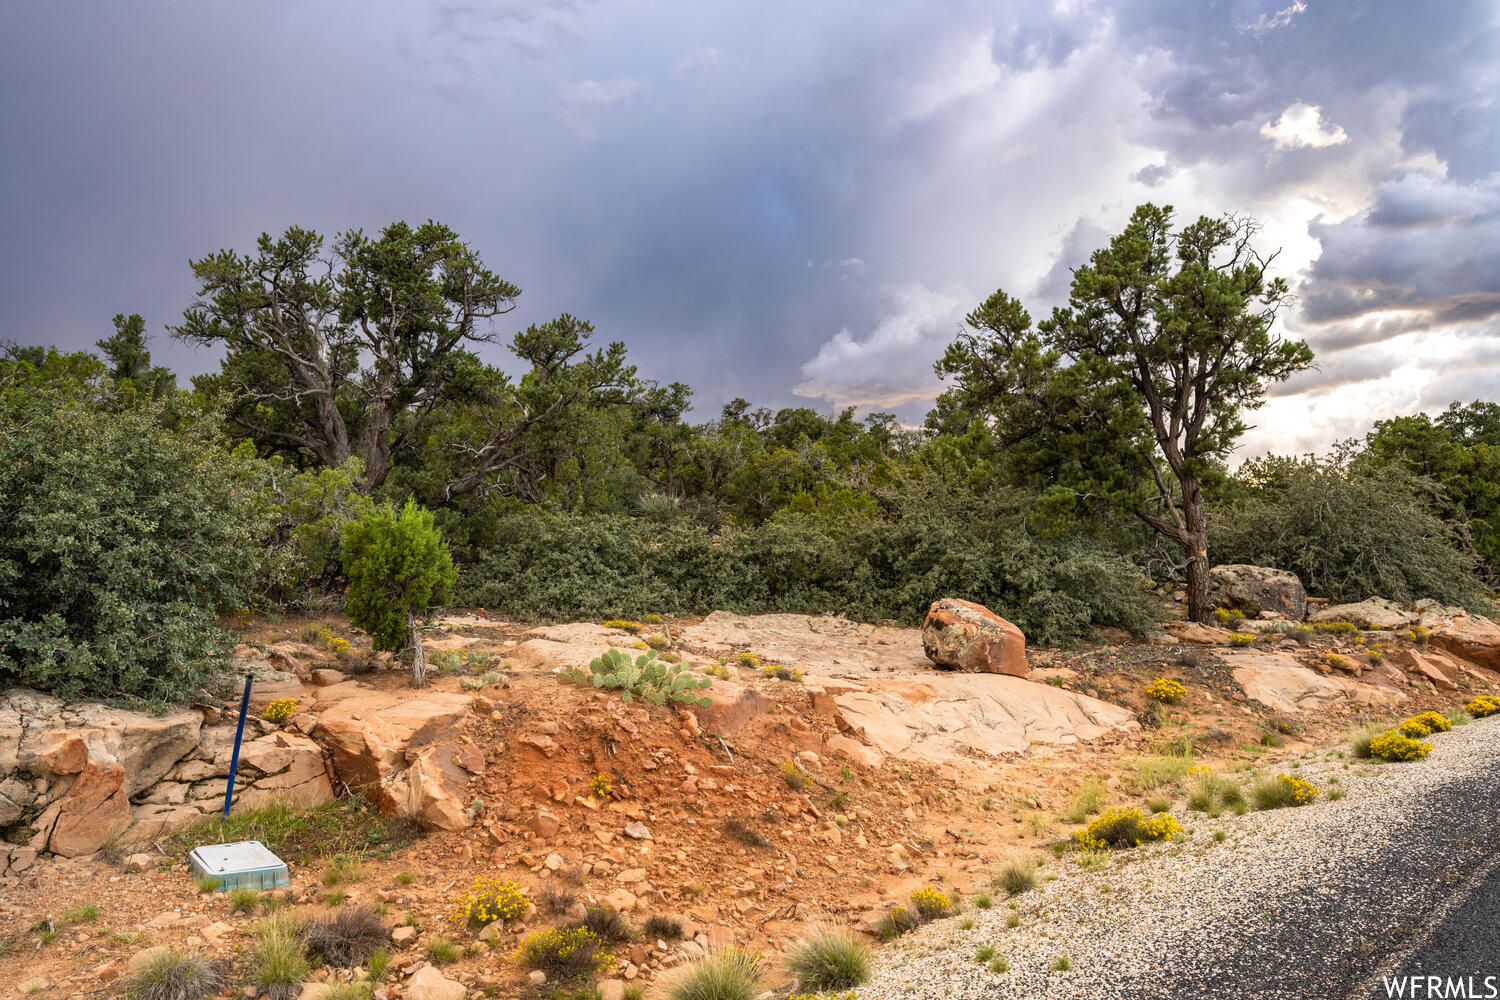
1131, 396
398, 568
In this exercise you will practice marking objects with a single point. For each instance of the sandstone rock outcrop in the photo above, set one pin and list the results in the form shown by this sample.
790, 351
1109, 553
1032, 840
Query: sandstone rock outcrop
1254, 589
952, 717
398, 749
962, 635
1282, 684
1372, 613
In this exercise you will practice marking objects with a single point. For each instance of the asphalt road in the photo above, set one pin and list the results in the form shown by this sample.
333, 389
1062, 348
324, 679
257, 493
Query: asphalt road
1463, 946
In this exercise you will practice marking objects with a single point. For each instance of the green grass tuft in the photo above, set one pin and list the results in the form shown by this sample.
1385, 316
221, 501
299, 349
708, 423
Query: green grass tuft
829, 958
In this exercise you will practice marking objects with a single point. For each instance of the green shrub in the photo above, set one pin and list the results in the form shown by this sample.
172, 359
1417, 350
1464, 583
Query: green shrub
606, 924
130, 530
1211, 793
1359, 738
829, 958
1347, 528
175, 975
398, 568
244, 900
726, 974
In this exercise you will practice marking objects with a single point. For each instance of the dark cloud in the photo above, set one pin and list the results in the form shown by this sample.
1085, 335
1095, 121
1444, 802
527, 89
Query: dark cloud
1152, 174
669, 170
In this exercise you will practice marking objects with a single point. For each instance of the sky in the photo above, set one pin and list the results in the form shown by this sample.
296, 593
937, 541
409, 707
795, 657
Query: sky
795, 203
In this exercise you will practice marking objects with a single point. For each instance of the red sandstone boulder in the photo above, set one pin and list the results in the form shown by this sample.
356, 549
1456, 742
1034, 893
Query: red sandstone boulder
962, 635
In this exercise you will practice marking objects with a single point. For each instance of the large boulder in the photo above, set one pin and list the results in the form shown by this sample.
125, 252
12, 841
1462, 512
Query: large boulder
94, 812
1372, 612
1254, 589
392, 748
962, 635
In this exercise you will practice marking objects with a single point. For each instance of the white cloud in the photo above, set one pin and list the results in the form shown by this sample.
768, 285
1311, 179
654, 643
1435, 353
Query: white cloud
1303, 125
585, 100
1271, 21
892, 364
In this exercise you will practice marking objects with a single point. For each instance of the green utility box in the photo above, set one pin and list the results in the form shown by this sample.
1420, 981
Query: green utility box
246, 865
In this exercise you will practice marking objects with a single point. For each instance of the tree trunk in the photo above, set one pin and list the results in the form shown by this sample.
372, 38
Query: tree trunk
1197, 567
418, 658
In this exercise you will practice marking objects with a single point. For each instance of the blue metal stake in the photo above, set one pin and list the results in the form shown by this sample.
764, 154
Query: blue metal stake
239, 734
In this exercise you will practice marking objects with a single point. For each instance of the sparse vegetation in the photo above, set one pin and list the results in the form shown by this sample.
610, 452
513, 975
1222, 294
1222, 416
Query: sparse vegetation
244, 900
443, 950
1282, 791
488, 900
1015, 877
606, 924
662, 928
1122, 828
564, 954
1088, 800
555, 901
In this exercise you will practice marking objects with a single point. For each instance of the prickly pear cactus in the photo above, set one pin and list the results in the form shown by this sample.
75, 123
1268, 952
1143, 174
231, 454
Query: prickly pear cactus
648, 678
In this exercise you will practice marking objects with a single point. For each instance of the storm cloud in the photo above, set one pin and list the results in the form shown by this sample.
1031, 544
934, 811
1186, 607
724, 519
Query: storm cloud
788, 202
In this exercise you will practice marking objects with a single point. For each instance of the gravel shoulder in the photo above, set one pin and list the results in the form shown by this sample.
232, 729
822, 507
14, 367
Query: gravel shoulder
1310, 902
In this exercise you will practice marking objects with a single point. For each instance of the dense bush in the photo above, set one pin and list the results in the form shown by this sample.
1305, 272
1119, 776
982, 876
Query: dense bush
1120, 827
130, 529
1348, 529
932, 542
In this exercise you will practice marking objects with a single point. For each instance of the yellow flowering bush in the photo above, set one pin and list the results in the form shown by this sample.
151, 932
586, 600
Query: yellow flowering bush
1241, 638
1200, 769
658, 641
1391, 745
565, 953
717, 670
796, 778
1302, 792
1419, 634
624, 625
781, 670
846, 995
1336, 661
1482, 706
1424, 724
747, 659
488, 900
1166, 691
1121, 827
280, 710
601, 786
1338, 628
340, 647
1228, 616
931, 904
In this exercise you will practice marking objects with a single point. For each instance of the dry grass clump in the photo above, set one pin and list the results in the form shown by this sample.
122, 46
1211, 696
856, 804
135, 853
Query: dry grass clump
175, 975
726, 974
347, 938
1088, 800
829, 958
606, 924
279, 964
660, 928
1015, 877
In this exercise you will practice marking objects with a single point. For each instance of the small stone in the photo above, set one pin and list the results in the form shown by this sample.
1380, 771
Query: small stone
611, 989
138, 862
621, 899
554, 862
403, 935
536, 977
430, 984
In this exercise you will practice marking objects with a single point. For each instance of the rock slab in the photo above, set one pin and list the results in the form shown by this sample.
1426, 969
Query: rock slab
962, 635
